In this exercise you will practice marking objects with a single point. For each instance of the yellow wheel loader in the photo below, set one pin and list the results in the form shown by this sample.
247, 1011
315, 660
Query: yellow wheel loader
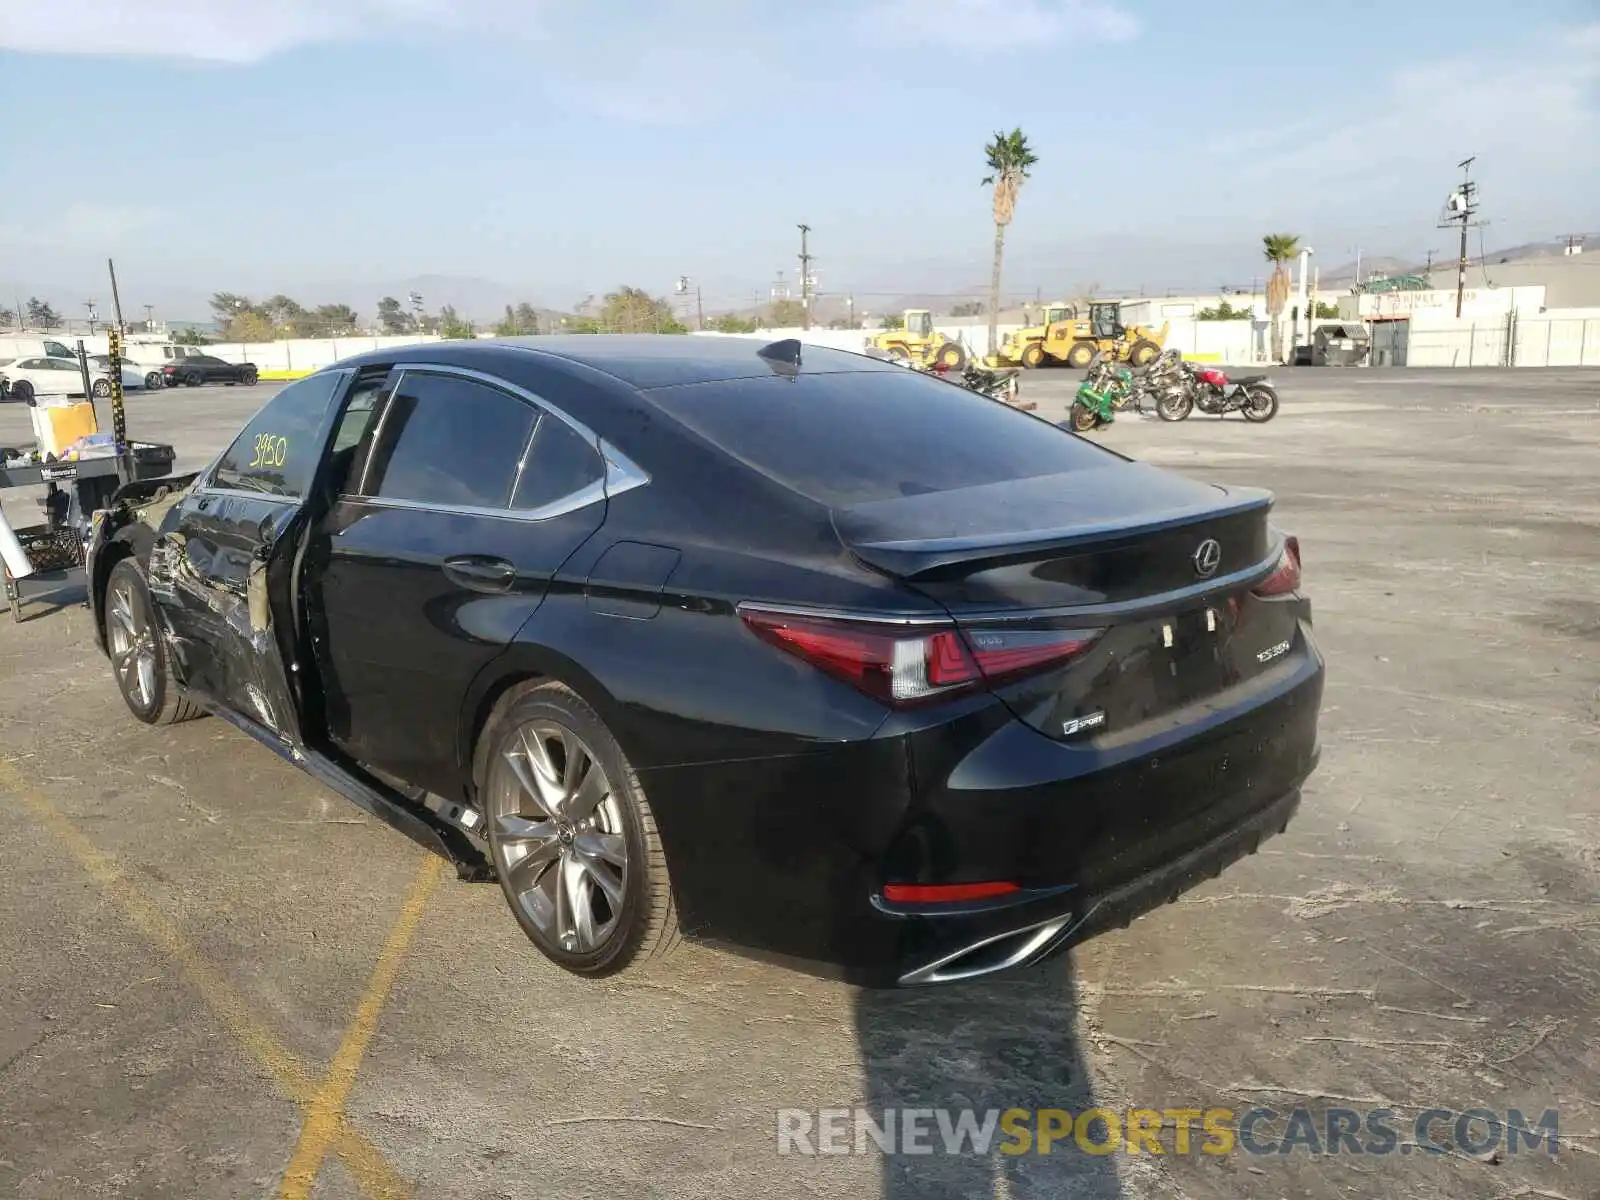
918, 342
1067, 338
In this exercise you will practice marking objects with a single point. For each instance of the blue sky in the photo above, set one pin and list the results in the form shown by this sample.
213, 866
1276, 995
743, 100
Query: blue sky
560, 147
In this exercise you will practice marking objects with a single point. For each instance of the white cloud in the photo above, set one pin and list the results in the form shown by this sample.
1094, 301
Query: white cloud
1001, 24
1530, 114
235, 31
81, 225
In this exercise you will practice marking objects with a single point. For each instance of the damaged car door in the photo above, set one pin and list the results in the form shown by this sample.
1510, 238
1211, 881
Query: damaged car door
221, 568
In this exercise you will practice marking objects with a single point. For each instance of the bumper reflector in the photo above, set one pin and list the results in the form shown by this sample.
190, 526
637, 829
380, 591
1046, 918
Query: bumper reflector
939, 893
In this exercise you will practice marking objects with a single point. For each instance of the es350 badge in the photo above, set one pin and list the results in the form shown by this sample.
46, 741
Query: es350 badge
1272, 652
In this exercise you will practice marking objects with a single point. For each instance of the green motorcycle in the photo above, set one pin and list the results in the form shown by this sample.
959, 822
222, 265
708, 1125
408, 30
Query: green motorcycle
1106, 389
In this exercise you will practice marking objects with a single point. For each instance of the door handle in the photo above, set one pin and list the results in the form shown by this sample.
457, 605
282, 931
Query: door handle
480, 574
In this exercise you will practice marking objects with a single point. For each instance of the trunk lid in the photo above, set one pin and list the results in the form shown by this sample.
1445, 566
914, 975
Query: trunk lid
1116, 549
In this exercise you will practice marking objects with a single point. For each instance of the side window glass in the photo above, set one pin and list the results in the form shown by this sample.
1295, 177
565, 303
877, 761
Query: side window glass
278, 451
448, 440
357, 413
559, 463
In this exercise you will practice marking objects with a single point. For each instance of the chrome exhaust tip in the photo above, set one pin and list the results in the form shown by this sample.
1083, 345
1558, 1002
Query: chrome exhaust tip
997, 952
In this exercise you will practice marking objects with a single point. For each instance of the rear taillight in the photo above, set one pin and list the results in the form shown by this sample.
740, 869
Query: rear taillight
906, 665
1285, 578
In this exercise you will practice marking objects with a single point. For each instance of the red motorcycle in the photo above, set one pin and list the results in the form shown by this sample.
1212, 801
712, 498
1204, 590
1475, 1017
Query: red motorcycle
1211, 391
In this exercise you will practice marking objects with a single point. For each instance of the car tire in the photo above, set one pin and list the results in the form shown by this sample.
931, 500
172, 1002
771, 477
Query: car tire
154, 382
193, 380
1081, 355
22, 390
138, 654
101, 388
248, 377
589, 888
1033, 356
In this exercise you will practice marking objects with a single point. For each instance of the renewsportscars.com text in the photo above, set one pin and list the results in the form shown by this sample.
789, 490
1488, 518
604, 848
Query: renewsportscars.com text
1181, 1131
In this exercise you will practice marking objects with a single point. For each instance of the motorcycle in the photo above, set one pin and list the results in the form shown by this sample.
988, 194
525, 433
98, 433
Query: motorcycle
1211, 391
1106, 390
1002, 384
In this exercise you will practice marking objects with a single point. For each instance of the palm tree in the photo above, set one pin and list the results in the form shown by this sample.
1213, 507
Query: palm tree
1009, 158
1280, 248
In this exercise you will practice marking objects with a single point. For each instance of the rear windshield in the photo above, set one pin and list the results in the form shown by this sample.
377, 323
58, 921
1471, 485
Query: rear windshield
846, 439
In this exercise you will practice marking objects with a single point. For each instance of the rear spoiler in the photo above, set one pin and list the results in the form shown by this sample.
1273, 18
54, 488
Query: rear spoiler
910, 549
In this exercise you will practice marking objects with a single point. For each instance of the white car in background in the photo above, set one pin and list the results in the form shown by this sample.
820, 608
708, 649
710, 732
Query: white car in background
133, 375
30, 377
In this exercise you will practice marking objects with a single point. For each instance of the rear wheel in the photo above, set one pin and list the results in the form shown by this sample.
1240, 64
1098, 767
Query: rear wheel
1143, 351
572, 837
1033, 355
138, 655
22, 390
193, 380
1261, 403
248, 377
153, 381
1081, 355
101, 388
1083, 417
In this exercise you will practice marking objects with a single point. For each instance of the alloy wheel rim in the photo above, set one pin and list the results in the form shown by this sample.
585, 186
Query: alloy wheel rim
133, 647
557, 836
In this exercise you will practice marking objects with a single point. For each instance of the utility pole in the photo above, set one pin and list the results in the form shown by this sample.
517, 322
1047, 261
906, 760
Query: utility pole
699, 309
116, 298
1461, 208
1574, 244
851, 301
805, 277
1428, 269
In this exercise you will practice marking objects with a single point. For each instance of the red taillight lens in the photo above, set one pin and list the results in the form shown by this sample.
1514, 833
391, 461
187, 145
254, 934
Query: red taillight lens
905, 665
942, 893
1286, 577
1005, 654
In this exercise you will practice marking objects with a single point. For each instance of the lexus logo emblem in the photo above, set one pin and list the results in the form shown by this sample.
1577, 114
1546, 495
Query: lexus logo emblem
1207, 558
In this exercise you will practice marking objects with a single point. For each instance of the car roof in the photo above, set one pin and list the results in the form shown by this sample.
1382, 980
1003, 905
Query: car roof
643, 361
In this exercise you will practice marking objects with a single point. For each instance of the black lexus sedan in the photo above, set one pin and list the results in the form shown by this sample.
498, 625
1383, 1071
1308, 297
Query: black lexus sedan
776, 647
194, 369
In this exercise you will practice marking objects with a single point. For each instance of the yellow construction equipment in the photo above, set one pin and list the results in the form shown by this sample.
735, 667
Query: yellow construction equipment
1066, 338
917, 341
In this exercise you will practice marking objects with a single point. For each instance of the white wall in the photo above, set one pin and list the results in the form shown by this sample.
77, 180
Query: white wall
301, 356
974, 337
1479, 302
1559, 337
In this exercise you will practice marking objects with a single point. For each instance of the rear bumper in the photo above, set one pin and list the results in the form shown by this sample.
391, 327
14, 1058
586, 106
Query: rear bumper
1029, 939
786, 859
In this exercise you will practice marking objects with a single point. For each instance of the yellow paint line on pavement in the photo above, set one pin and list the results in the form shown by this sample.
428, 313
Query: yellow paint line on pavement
371, 1171
325, 1113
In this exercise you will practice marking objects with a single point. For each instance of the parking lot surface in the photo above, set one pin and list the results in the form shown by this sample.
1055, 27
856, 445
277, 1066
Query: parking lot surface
222, 980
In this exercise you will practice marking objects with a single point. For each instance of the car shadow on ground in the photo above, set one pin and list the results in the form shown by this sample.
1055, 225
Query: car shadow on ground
1012, 1042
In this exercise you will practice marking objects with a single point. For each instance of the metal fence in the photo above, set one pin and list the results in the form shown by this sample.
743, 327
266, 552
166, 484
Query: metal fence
1501, 341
